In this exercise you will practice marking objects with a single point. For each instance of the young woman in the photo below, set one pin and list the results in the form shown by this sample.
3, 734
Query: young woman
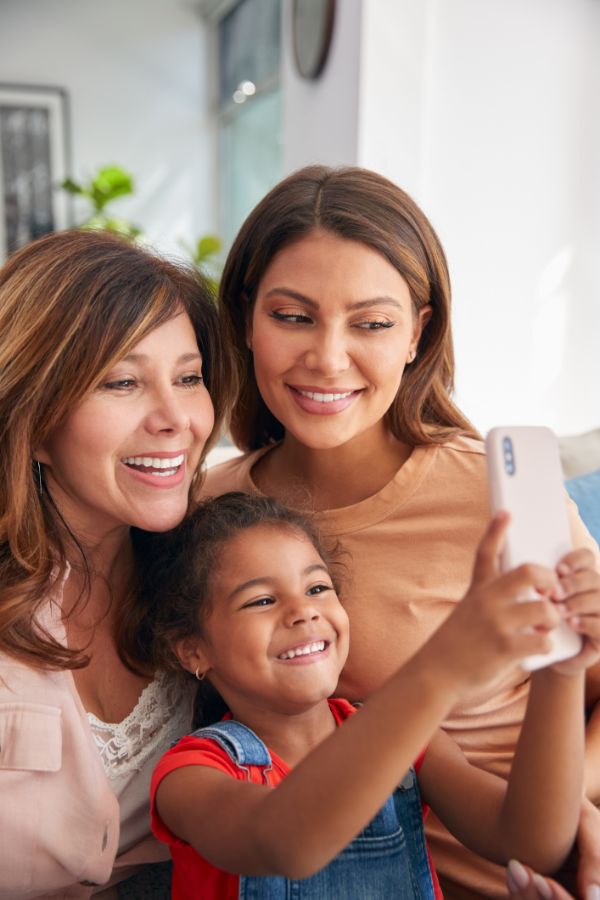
107, 357
336, 301
245, 597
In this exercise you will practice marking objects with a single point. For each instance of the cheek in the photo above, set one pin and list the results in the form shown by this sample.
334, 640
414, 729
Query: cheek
203, 416
82, 436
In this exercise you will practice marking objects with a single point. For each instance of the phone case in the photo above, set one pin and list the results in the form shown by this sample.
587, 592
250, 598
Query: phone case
525, 478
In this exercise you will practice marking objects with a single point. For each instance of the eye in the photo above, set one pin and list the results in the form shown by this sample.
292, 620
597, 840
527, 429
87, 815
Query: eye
119, 384
260, 602
191, 381
295, 318
318, 589
375, 325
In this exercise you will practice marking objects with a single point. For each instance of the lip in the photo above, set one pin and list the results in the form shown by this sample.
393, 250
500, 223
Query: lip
320, 407
158, 454
153, 480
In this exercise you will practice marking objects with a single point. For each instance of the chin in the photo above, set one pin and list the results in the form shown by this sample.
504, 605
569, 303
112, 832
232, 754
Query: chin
164, 521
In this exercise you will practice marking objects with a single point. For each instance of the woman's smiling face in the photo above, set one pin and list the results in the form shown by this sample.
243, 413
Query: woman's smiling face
127, 454
332, 328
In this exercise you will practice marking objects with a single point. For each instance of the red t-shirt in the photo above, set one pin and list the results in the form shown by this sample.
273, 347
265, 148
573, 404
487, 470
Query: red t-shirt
193, 877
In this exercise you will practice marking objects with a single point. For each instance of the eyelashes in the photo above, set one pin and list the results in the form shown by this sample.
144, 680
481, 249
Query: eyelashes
294, 318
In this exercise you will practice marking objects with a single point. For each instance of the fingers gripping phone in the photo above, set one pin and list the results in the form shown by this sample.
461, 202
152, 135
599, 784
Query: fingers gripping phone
525, 478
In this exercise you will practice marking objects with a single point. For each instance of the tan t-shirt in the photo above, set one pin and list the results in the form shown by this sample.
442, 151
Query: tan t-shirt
412, 548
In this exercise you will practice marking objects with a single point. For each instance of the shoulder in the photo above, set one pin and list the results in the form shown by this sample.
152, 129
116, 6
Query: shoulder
231, 475
464, 447
459, 457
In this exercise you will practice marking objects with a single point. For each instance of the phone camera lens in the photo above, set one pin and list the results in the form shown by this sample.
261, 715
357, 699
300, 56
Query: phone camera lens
509, 460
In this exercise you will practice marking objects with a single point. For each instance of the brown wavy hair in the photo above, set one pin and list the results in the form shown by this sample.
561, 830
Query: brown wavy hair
71, 305
362, 206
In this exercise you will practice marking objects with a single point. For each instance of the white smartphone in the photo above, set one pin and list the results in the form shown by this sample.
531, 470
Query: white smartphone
526, 479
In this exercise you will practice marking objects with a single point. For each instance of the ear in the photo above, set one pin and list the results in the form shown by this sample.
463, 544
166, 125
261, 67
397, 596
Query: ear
421, 319
191, 653
40, 454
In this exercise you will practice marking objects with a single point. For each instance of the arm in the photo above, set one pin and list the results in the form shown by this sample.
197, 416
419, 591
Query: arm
52, 786
300, 826
592, 744
523, 818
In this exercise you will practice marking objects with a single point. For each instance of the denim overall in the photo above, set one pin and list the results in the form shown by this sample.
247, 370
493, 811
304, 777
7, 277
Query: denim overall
387, 861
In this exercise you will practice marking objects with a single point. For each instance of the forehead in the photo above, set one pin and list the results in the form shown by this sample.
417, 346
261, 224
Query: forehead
325, 260
269, 550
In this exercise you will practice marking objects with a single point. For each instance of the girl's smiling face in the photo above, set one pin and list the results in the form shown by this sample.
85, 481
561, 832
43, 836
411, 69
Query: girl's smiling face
332, 328
277, 635
127, 454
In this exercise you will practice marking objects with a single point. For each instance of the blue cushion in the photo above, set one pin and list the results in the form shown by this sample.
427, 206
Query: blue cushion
585, 491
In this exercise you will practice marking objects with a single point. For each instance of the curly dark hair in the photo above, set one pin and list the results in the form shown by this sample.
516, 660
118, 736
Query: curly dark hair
177, 568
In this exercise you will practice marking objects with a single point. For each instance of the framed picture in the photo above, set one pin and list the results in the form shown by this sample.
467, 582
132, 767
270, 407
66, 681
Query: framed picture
34, 160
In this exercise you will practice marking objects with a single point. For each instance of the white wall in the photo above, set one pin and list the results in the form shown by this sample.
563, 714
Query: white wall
320, 118
137, 75
489, 114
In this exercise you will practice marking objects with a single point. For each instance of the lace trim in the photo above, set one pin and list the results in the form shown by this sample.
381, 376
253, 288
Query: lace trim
161, 715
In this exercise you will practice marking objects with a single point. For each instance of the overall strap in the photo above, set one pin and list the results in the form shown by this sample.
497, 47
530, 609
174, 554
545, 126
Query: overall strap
240, 743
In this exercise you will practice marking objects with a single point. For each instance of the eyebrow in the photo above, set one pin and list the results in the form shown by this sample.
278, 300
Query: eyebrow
383, 300
143, 357
255, 582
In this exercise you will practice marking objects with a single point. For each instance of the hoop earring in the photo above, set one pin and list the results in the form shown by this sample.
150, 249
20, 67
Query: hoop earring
200, 675
39, 477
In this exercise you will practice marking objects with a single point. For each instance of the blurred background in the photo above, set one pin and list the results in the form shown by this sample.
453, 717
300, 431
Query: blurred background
486, 111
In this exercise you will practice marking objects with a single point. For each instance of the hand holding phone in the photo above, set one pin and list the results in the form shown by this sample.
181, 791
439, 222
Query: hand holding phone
525, 478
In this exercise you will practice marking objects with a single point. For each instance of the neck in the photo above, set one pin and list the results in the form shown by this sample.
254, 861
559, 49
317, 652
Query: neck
100, 578
333, 477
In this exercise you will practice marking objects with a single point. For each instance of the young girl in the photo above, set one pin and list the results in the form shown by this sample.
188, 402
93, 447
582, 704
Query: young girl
246, 598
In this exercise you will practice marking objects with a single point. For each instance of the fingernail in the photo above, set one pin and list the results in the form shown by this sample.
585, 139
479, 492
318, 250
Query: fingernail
575, 621
563, 569
542, 887
559, 592
592, 892
518, 873
511, 885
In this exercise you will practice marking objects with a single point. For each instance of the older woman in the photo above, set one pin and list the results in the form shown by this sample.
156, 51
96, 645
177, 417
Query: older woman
112, 386
336, 301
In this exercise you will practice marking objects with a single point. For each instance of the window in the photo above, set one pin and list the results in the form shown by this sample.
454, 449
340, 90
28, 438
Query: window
250, 155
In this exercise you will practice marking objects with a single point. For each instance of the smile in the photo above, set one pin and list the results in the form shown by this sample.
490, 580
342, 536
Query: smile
324, 398
323, 403
154, 465
304, 650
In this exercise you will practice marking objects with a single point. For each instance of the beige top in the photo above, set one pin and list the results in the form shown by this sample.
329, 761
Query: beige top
412, 549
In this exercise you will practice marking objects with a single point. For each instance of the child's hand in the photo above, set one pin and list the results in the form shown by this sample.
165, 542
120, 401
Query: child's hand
491, 630
578, 599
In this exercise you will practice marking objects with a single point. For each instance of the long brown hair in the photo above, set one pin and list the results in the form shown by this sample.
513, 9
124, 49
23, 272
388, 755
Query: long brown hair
362, 206
71, 305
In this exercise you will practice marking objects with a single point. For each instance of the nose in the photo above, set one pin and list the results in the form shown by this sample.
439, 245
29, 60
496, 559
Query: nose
328, 352
301, 613
168, 412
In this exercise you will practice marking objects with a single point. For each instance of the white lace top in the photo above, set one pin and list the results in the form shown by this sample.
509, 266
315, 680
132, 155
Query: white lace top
130, 749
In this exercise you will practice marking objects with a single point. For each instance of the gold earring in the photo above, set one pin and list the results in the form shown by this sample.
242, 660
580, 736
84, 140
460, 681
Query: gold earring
200, 675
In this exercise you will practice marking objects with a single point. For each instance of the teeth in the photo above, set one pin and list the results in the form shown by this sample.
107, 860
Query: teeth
315, 647
169, 466
324, 398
